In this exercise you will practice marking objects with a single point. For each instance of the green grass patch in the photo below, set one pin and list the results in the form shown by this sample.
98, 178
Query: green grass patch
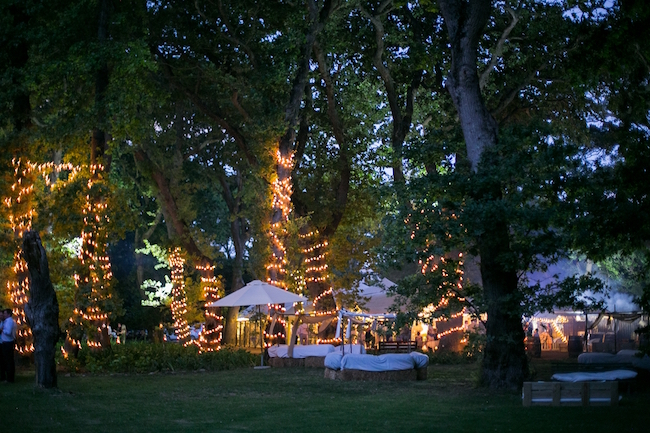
294, 400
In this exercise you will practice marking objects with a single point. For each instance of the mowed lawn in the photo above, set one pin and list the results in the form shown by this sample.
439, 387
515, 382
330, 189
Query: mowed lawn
295, 400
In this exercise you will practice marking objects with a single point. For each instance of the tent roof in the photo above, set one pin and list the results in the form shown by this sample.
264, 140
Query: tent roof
379, 301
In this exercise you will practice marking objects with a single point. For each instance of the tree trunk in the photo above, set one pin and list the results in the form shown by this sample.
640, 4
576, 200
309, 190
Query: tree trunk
42, 310
504, 360
465, 23
236, 230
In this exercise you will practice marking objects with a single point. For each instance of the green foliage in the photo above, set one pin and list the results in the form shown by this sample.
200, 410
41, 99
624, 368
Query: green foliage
628, 273
145, 357
158, 252
442, 357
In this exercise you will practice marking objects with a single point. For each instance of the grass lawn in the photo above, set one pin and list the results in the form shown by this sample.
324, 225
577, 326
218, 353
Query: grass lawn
295, 400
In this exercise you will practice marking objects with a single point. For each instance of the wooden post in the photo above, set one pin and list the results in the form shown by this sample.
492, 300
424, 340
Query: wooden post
528, 394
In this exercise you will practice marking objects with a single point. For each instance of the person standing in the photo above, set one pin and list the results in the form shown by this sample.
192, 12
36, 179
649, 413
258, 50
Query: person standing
8, 340
303, 333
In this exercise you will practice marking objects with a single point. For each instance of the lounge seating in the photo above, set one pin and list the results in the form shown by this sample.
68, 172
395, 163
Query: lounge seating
282, 350
409, 366
599, 376
311, 355
623, 357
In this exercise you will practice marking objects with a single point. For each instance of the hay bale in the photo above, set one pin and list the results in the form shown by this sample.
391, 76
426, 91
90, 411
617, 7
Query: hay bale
380, 376
332, 374
286, 362
377, 376
315, 361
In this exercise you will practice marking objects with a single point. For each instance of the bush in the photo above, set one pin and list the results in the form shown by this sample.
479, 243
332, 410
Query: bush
472, 351
144, 357
446, 357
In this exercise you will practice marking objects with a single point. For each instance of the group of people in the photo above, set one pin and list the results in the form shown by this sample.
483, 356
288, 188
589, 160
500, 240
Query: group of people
7, 346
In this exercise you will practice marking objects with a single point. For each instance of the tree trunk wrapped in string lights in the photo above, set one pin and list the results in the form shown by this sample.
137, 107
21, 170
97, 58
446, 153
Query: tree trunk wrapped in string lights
179, 298
21, 215
317, 282
211, 336
93, 295
276, 269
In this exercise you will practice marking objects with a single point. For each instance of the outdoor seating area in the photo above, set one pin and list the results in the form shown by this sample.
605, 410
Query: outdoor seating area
411, 366
630, 358
311, 355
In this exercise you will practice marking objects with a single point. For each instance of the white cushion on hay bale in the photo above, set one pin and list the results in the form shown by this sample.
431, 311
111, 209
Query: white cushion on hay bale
370, 367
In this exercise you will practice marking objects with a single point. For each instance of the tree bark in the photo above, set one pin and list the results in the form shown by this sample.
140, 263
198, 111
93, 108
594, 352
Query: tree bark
292, 109
42, 310
239, 238
504, 361
465, 22
402, 116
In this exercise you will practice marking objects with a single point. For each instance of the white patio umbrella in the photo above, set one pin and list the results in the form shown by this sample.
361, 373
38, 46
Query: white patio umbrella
258, 293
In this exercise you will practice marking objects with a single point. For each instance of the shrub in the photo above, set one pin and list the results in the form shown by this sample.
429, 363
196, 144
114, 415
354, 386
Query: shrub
447, 357
145, 357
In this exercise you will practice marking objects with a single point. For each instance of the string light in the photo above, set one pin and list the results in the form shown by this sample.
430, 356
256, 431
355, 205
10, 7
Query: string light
179, 299
92, 255
450, 331
329, 341
322, 295
93, 282
211, 335
554, 324
282, 190
21, 215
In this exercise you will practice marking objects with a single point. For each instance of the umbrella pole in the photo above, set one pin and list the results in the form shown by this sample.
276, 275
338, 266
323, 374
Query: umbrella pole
259, 310
261, 366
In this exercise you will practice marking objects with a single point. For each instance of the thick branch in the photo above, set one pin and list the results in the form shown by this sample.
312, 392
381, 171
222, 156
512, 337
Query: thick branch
177, 228
498, 50
510, 96
231, 35
235, 101
300, 81
332, 112
401, 120
343, 163
226, 193
211, 113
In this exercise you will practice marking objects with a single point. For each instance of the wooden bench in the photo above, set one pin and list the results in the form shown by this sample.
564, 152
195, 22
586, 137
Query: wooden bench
397, 346
570, 393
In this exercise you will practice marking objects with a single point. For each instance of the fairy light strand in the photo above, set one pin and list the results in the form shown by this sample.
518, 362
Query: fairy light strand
21, 214
93, 290
179, 298
211, 335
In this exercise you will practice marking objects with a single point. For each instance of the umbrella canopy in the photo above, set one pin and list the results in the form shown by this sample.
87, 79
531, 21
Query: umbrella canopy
258, 293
